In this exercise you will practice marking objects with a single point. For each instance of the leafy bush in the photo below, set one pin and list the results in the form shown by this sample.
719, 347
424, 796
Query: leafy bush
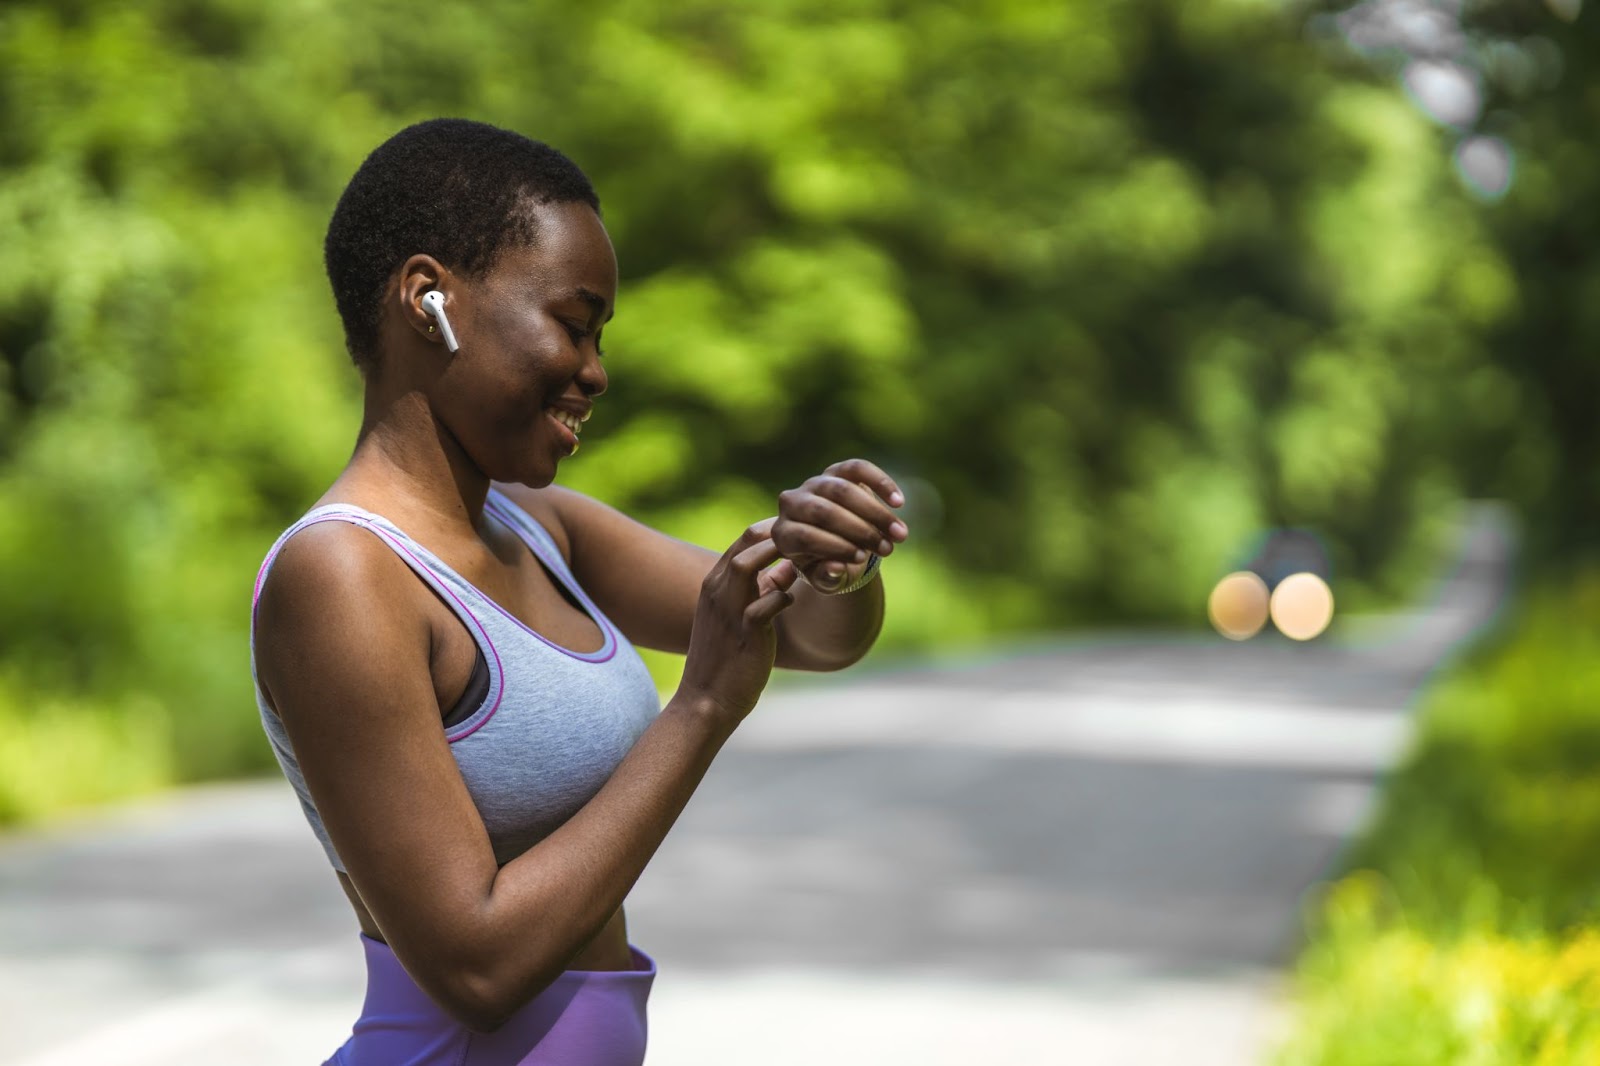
1469, 928
1386, 995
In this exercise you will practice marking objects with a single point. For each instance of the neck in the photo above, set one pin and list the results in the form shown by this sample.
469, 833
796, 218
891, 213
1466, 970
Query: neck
405, 460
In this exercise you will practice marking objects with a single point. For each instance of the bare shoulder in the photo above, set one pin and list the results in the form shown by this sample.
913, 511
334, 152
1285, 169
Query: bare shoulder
644, 580
333, 587
324, 563
545, 505
585, 526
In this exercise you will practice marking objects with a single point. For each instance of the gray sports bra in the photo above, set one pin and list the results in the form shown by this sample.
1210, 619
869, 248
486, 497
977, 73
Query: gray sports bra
551, 725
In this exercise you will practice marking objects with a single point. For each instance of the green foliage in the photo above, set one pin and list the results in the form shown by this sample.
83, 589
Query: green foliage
1538, 440
1391, 996
1120, 284
1494, 813
1469, 929
58, 754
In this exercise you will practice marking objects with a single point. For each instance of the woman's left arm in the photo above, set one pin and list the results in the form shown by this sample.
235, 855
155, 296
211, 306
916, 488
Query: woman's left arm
648, 583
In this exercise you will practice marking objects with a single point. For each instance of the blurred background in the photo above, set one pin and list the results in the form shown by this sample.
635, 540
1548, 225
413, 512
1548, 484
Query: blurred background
1129, 297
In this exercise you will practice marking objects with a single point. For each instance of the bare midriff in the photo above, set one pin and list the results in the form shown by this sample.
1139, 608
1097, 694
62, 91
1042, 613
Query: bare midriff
609, 949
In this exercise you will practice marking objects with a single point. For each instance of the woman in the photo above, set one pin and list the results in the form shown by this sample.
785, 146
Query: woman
443, 646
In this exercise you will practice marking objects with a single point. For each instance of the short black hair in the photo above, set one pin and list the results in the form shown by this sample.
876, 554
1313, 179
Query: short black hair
451, 188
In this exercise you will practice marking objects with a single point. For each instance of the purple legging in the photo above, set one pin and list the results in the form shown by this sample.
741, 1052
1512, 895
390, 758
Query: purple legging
586, 1018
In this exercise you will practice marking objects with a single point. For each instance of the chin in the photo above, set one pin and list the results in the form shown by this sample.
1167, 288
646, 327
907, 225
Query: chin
523, 466
532, 476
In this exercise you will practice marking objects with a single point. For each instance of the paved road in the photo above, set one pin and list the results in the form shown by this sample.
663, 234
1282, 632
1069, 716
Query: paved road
1083, 852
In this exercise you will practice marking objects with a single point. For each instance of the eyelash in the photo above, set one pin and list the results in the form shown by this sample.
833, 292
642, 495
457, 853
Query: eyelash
577, 334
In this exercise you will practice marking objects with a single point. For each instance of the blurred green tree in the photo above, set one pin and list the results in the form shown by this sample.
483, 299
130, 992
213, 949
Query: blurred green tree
1543, 95
1118, 284
1513, 86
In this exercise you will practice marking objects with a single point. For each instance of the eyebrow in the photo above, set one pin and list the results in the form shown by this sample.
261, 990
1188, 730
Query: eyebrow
596, 302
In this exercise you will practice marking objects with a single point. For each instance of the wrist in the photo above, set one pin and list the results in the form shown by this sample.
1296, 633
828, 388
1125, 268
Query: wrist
702, 712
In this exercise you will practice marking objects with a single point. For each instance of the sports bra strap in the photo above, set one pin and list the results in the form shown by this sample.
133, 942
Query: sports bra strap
325, 513
423, 563
528, 528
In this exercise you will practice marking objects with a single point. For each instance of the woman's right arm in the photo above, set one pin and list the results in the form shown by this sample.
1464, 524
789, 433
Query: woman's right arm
345, 661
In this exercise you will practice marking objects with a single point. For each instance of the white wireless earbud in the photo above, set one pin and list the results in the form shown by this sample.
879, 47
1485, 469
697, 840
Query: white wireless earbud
433, 303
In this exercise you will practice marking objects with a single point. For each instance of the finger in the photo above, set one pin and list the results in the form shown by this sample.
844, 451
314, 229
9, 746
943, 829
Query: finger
753, 533
753, 559
873, 476
848, 510
781, 574
807, 543
767, 608
860, 501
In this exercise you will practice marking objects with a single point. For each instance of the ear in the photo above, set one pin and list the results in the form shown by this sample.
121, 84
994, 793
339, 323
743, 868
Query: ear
419, 275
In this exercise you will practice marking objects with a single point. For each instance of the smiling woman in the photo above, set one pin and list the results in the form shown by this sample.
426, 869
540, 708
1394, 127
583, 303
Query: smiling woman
530, 340
443, 647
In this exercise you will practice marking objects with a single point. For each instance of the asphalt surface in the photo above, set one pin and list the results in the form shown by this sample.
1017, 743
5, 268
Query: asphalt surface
1085, 851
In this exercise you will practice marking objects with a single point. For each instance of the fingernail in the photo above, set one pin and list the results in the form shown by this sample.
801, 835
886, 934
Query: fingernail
896, 498
898, 529
884, 547
834, 570
861, 556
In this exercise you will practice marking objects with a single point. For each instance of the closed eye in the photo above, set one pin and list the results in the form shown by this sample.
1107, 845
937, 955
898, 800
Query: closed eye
577, 333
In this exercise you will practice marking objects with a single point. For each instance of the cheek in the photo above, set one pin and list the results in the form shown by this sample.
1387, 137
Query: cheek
515, 362
527, 348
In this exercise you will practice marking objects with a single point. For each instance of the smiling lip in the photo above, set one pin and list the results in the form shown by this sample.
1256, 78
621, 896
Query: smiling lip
568, 438
581, 408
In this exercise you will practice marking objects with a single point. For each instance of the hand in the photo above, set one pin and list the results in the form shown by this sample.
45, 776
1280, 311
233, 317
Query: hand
732, 644
828, 527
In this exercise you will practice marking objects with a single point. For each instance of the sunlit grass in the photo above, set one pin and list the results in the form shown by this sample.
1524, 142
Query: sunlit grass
1468, 930
1378, 993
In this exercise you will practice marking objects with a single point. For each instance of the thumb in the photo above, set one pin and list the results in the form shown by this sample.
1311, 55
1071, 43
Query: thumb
780, 575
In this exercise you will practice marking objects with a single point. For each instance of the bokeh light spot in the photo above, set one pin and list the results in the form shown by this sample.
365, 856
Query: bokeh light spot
1565, 10
1484, 163
1238, 605
1302, 606
1447, 91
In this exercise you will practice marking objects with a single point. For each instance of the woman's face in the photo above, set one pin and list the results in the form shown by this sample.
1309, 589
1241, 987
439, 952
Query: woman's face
530, 340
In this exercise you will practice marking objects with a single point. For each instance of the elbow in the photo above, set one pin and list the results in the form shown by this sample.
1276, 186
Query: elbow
845, 662
845, 657
479, 1008
482, 1019
816, 665
479, 1002
479, 971
483, 998
795, 656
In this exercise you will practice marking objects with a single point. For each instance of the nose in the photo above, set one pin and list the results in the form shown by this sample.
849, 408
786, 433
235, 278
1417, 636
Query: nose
592, 377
